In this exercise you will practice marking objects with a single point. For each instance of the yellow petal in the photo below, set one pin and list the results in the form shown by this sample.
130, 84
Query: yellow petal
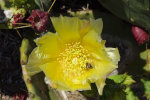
92, 24
47, 45
100, 83
84, 27
46, 51
53, 70
67, 28
103, 67
97, 25
93, 43
113, 53
92, 38
33, 62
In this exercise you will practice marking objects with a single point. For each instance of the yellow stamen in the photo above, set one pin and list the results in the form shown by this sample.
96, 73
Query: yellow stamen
74, 59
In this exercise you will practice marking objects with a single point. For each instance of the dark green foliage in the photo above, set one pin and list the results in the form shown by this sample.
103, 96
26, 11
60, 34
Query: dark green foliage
15, 3
146, 83
18, 3
91, 93
43, 4
134, 11
28, 5
113, 91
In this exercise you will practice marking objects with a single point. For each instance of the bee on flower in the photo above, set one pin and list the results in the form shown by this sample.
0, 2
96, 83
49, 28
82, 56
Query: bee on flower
75, 56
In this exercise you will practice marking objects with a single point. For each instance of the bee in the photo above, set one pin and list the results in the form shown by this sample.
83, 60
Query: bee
88, 66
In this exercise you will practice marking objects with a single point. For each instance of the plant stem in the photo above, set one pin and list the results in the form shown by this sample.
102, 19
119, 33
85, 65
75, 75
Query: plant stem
22, 23
51, 6
22, 26
18, 33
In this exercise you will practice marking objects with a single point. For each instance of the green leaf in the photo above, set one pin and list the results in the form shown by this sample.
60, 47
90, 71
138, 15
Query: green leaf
130, 95
146, 56
143, 55
118, 78
147, 87
128, 80
123, 79
147, 67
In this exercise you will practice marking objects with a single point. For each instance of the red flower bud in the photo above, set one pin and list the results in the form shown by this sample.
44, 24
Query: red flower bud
139, 34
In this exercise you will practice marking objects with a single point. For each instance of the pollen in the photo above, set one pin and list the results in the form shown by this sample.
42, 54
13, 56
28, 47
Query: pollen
74, 59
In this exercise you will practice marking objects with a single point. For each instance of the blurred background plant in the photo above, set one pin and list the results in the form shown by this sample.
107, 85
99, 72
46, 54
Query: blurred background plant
131, 80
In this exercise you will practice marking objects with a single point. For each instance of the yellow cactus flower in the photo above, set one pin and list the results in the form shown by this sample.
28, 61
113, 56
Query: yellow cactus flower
75, 56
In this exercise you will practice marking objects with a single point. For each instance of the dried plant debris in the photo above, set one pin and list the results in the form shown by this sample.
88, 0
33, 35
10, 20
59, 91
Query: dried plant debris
11, 82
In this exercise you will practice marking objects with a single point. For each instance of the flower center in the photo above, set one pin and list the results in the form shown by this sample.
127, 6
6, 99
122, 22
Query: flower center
74, 59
